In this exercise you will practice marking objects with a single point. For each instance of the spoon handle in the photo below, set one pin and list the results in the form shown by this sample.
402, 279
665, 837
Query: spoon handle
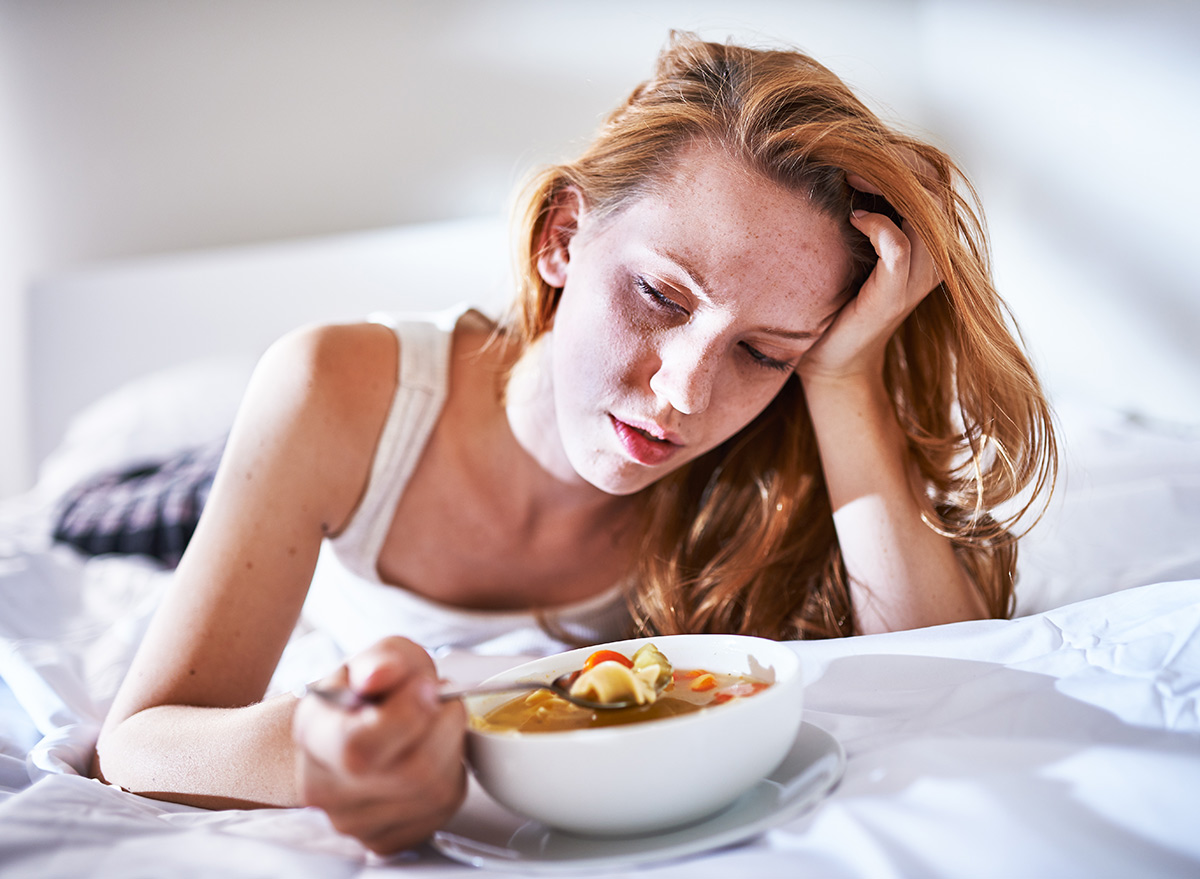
460, 691
344, 697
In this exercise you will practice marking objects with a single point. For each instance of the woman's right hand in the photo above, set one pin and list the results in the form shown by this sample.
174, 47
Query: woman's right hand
391, 772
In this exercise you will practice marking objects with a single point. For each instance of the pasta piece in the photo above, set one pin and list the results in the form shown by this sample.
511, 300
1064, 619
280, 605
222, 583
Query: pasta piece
650, 664
612, 682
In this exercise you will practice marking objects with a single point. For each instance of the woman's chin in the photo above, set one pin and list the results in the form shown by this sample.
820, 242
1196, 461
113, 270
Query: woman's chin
624, 479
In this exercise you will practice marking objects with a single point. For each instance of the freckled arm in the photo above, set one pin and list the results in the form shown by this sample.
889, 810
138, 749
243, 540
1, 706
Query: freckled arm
903, 575
187, 723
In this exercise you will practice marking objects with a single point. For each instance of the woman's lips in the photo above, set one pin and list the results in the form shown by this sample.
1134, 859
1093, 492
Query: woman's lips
644, 444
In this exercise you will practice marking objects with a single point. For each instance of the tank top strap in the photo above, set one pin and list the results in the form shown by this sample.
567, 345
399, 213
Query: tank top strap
421, 388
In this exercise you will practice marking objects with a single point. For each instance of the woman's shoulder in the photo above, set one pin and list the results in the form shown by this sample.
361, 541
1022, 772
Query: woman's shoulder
334, 351
337, 359
354, 367
344, 377
344, 372
317, 404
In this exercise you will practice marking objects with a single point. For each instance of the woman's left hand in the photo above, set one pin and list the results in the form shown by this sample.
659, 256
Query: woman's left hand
853, 345
902, 573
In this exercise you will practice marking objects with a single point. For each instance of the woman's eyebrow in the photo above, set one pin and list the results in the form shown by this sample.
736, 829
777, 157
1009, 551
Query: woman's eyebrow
802, 335
694, 275
696, 278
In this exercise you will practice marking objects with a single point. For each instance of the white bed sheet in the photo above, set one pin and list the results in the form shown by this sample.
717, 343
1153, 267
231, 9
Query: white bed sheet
1065, 743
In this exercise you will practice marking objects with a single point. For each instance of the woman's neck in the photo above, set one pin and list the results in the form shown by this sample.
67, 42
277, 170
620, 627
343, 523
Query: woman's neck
527, 459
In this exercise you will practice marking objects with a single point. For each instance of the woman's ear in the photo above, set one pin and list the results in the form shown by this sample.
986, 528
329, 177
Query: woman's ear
562, 222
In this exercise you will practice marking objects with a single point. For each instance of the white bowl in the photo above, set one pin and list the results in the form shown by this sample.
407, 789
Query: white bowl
645, 777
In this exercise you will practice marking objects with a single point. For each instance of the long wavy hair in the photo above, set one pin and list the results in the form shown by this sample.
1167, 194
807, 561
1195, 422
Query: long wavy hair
742, 539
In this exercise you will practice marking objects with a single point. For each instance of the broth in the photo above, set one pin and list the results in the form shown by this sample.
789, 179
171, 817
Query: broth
542, 711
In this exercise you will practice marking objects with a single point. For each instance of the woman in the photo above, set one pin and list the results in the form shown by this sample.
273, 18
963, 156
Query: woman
726, 384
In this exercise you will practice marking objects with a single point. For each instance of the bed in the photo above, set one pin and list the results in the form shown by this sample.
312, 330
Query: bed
1063, 742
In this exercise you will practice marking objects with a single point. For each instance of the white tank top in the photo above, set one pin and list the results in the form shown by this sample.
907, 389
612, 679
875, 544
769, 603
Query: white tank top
347, 598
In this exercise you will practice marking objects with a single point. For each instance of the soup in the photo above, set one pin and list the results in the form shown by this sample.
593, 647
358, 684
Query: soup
678, 692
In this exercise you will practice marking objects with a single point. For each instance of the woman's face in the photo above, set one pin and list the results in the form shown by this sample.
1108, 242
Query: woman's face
682, 315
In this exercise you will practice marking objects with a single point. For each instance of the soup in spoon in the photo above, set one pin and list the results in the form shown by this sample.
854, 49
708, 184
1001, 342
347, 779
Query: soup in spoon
646, 679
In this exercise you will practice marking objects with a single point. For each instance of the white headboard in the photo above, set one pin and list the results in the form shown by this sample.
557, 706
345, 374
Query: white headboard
92, 331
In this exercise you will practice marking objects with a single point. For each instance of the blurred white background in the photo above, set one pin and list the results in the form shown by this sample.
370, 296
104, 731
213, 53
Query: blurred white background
135, 127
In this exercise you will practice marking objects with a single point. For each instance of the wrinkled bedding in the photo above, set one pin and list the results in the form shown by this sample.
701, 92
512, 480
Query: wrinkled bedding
1062, 743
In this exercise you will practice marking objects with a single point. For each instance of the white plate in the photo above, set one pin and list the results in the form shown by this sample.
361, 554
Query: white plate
485, 834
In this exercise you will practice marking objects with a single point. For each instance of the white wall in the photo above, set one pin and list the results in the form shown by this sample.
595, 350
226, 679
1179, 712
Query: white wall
143, 126
1080, 123
14, 260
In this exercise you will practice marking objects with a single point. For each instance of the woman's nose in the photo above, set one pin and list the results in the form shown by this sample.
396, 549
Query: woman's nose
684, 377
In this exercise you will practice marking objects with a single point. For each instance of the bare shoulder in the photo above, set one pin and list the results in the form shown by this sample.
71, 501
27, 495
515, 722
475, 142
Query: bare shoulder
350, 362
318, 401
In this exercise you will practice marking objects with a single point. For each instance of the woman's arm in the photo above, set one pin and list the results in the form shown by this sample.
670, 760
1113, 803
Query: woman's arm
902, 574
188, 723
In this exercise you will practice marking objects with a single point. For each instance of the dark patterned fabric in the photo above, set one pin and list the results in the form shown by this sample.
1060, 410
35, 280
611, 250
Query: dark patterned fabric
148, 510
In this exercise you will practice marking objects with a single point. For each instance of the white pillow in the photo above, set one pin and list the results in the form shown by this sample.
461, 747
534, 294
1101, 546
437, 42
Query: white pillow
148, 419
1126, 511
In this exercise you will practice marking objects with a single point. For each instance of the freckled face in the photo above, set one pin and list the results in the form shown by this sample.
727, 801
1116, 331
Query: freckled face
682, 316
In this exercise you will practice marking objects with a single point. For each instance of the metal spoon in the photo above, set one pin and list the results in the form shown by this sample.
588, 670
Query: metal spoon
344, 697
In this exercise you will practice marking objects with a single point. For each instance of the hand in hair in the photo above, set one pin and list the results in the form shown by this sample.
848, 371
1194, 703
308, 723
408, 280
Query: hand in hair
902, 573
854, 343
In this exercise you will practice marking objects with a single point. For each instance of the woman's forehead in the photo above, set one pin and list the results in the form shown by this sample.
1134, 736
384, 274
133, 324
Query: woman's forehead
726, 224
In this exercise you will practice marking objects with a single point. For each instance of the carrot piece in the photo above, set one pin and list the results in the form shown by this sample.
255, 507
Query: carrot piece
704, 682
606, 656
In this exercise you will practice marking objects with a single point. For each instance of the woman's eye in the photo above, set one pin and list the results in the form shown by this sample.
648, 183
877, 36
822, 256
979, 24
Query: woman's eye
763, 360
657, 297
666, 303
